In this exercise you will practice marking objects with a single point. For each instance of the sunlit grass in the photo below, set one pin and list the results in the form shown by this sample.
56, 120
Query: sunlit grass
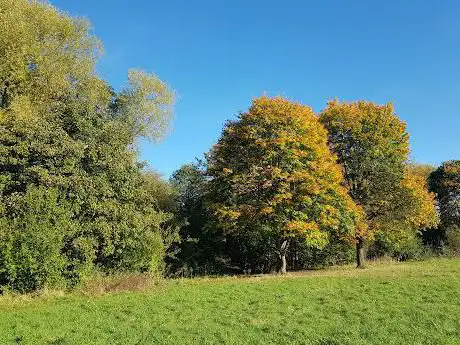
388, 303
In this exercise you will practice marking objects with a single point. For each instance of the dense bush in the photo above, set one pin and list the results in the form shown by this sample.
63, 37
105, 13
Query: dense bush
452, 246
407, 248
33, 228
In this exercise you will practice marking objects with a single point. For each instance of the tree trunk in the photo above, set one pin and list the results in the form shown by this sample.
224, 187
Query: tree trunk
282, 252
283, 264
360, 253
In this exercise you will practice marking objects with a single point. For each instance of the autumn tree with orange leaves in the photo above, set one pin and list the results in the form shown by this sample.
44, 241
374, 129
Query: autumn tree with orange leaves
272, 171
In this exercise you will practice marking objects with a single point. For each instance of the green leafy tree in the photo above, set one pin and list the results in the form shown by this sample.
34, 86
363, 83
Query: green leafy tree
271, 172
199, 248
64, 130
445, 182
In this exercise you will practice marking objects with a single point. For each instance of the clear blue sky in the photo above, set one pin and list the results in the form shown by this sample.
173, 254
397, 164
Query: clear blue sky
218, 55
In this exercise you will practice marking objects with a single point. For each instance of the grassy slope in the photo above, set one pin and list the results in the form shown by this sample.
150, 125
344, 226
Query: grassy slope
410, 303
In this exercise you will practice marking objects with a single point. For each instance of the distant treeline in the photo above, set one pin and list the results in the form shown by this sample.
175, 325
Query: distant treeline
284, 188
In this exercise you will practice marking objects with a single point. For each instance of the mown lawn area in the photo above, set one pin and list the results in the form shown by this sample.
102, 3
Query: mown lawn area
387, 303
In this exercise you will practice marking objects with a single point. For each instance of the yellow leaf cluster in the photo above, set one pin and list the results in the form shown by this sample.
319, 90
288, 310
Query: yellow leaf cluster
423, 213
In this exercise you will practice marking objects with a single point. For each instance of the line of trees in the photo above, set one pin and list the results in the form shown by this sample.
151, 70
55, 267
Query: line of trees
285, 185
283, 188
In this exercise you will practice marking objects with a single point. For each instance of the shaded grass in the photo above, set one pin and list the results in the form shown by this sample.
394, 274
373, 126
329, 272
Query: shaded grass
388, 303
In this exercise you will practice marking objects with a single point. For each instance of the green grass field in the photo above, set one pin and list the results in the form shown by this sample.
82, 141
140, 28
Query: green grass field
388, 303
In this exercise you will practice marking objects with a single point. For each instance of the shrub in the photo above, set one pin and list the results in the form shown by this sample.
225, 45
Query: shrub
453, 241
31, 240
399, 246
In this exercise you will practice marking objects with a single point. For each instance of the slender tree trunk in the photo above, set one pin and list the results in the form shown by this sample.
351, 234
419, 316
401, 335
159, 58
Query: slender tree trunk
360, 253
283, 268
282, 253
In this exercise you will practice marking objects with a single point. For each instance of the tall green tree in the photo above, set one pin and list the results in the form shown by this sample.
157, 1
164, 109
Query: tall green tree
445, 182
63, 129
372, 146
272, 173
199, 248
